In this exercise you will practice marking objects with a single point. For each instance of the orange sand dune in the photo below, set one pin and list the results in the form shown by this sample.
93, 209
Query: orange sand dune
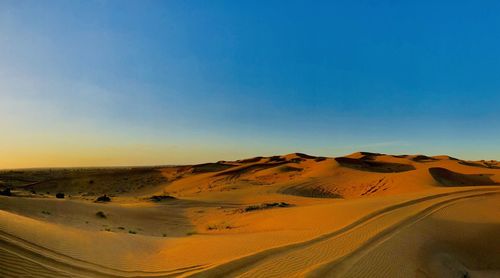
357, 175
362, 215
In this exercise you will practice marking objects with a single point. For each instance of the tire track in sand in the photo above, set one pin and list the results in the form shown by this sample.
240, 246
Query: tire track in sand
14, 249
40, 261
298, 259
338, 267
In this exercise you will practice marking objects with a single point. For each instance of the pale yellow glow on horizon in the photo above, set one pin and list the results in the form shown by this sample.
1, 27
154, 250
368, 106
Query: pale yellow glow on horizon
83, 152
96, 156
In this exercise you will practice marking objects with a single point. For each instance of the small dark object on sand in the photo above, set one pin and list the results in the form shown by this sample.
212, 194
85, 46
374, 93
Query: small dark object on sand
6, 192
60, 195
266, 206
103, 198
159, 198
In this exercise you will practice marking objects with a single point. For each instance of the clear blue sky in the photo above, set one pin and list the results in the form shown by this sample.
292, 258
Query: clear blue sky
149, 82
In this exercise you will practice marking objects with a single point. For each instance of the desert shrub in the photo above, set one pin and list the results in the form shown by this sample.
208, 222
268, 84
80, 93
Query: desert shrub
103, 198
100, 214
220, 226
60, 195
252, 207
266, 206
279, 204
132, 232
6, 192
159, 198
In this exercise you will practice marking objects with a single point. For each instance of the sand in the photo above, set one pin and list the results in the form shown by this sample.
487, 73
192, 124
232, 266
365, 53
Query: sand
363, 215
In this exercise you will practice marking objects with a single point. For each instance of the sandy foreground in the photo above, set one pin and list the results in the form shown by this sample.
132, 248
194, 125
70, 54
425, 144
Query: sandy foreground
363, 215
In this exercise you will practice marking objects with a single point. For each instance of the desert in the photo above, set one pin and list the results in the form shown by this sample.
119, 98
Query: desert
280, 139
297, 215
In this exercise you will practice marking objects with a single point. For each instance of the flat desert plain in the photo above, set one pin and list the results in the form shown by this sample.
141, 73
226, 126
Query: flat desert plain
295, 215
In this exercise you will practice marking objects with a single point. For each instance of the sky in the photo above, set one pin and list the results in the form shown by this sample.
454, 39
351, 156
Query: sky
104, 83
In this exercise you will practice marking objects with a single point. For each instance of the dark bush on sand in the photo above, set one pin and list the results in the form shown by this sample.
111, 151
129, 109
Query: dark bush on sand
103, 198
159, 198
60, 195
6, 192
266, 206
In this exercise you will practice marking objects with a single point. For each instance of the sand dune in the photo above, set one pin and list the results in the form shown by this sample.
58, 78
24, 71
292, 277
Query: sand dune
449, 178
363, 215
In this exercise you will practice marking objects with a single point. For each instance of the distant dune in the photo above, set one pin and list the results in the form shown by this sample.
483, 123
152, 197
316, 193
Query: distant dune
361, 215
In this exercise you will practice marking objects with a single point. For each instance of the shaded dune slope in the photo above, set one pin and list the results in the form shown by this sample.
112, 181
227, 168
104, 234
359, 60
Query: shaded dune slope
373, 166
449, 178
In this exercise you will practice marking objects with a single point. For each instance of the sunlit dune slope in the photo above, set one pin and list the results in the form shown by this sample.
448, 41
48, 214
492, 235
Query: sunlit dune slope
356, 175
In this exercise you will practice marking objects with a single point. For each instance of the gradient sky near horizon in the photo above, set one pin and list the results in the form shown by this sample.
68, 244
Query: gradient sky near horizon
93, 83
